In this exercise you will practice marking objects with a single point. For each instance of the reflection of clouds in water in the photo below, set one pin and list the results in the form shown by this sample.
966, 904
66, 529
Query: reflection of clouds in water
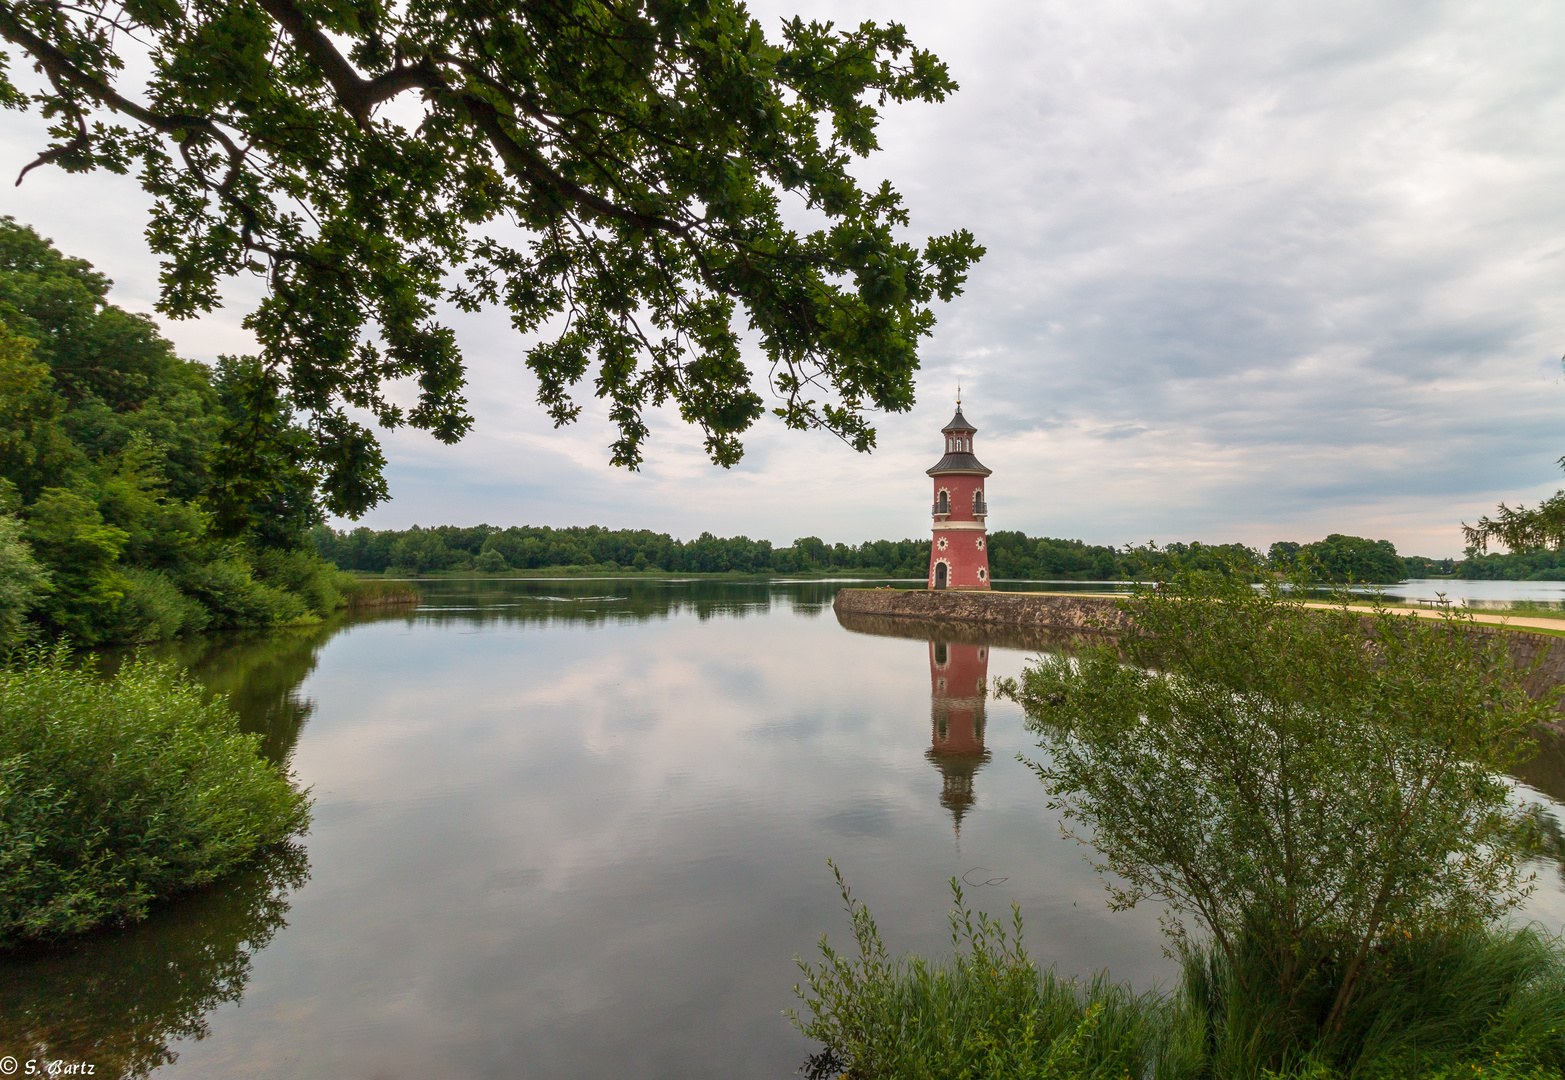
595, 846
519, 859
866, 817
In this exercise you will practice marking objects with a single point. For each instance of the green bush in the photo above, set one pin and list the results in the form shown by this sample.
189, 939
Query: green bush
229, 589
68, 534
153, 609
491, 561
22, 582
304, 574
114, 793
1308, 783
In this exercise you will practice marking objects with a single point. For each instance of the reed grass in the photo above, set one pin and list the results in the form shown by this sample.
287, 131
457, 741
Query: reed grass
362, 592
1487, 1005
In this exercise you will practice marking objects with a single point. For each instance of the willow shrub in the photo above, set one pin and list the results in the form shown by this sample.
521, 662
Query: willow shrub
1309, 787
114, 793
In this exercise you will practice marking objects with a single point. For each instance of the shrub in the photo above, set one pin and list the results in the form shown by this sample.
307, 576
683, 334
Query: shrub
1307, 783
114, 793
491, 561
1435, 1004
153, 609
233, 595
68, 535
22, 581
303, 573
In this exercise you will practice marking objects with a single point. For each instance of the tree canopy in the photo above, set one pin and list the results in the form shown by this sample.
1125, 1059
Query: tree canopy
1521, 529
611, 171
159, 496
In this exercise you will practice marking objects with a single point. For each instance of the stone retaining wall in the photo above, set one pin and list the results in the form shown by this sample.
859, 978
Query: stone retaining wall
1054, 620
1056, 611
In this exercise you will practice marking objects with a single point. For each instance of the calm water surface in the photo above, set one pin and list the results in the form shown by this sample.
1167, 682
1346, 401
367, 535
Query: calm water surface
580, 829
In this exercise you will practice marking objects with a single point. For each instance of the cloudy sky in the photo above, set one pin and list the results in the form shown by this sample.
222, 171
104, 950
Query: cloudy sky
1255, 272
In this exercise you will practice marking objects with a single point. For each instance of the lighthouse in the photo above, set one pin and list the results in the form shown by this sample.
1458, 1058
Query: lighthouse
959, 557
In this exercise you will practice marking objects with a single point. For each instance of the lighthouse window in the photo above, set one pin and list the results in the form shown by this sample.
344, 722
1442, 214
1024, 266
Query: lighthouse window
980, 543
982, 573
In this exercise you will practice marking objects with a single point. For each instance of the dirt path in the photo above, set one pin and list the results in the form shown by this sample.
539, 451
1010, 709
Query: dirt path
1493, 618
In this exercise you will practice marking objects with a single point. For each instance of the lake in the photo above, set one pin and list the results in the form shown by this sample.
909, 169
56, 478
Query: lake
580, 829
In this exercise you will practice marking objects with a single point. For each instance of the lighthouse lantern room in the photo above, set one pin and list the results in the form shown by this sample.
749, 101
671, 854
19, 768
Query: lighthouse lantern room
959, 558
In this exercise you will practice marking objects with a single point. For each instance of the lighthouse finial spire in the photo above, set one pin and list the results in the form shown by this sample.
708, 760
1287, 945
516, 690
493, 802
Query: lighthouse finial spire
958, 395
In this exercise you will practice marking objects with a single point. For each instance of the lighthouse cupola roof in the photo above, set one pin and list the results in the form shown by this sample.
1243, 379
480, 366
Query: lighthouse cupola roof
959, 448
958, 423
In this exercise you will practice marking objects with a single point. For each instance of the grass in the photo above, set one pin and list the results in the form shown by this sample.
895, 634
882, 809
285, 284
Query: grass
1486, 1005
115, 793
367, 592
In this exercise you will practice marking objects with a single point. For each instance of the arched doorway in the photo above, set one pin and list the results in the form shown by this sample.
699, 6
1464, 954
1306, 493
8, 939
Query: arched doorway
940, 575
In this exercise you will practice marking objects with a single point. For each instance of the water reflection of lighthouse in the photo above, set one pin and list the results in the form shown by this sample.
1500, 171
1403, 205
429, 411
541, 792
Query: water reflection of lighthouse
956, 690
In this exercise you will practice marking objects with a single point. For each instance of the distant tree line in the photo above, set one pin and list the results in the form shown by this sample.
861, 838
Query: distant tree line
490, 548
1012, 554
1516, 566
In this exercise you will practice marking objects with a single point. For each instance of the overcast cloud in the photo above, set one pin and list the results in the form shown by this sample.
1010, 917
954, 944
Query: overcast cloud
1255, 272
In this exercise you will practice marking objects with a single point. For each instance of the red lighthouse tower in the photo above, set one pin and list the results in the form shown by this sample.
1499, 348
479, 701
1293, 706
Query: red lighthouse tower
959, 558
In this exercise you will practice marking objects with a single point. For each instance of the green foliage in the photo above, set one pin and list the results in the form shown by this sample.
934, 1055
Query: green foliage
262, 484
1484, 1003
155, 609
33, 446
1516, 566
1016, 555
1308, 785
22, 582
1440, 1003
421, 551
153, 493
1541, 528
114, 793
987, 1014
1340, 558
1419, 566
1012, 555
363, 593
642, 149
68, 534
